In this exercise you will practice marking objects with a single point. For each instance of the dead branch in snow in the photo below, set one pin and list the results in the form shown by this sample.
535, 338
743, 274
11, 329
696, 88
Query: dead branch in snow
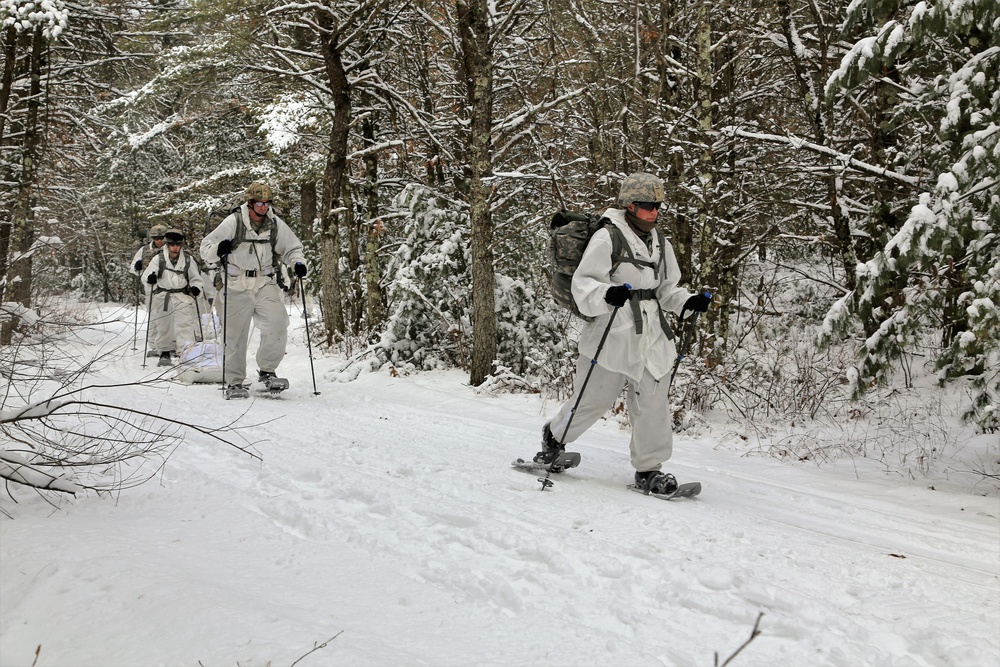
71, 441
753, 635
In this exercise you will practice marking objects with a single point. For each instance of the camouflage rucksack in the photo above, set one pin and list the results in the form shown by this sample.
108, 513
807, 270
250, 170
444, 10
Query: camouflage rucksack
569, 235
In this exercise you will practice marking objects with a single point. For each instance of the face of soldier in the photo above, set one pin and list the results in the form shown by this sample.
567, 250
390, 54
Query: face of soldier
258, 209
645, 211
157, 241
174, 250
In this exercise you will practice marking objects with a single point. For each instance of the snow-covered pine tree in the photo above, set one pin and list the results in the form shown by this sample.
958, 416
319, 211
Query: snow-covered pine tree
942, 269
430, 300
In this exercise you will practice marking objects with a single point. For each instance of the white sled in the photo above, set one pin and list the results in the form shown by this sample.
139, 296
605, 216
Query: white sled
200, 363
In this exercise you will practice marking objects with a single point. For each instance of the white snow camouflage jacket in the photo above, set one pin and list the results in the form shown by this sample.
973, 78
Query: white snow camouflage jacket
625, 351
174, 276
250, 264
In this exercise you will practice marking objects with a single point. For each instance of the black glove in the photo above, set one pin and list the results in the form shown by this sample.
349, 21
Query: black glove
225, 247
698, 303
300, 269
151, 279
138, 265
194, 291
617, 296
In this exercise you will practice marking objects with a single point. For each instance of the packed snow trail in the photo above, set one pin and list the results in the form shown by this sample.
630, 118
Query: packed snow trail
385, 509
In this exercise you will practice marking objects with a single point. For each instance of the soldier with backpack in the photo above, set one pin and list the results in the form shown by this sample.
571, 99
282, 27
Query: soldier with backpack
249, 243
139, 262
175, 280
628, 266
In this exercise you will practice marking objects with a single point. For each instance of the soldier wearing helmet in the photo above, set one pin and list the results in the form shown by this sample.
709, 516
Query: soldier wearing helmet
625, 296
175, 280
139, 261
250, 243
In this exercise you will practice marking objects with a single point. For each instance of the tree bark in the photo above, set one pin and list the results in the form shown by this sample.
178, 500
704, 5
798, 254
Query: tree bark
331, 206
374, 308
474, 30
23, 233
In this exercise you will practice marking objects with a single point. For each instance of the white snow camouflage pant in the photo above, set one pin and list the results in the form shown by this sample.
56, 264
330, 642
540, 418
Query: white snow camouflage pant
263, 306
648, 411
176, 326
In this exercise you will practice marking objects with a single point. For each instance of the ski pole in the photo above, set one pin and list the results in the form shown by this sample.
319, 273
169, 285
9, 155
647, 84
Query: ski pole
305, 316
135, 330
225, 319
149, 317
685, 343
546, 482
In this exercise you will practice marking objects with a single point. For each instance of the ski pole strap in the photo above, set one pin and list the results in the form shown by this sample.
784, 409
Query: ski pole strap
638, 295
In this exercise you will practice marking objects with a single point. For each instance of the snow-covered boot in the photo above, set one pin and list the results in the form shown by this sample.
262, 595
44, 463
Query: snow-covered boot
655, 481
164, 359
551, 448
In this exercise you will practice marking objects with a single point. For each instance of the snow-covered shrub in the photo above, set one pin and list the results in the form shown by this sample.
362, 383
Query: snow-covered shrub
429, 285
430, 297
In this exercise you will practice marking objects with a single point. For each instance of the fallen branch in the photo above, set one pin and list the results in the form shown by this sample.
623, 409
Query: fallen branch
753, 635
316, 648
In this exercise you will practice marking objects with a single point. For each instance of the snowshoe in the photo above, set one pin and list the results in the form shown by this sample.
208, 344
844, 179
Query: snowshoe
563, 461
664, 489
273, 384
236, 391
165, 359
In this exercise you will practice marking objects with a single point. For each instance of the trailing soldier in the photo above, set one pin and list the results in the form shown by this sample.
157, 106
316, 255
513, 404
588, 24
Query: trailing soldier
175, 280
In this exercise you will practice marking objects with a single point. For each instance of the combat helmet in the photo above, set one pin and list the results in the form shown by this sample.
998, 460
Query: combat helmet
640, 186
157, 231
174, 235
258, 192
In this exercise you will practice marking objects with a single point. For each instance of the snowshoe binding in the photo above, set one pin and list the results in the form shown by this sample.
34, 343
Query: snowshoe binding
552, 458
236, 391
165, 359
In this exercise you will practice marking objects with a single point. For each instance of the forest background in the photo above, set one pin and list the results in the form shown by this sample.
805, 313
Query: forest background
831, 172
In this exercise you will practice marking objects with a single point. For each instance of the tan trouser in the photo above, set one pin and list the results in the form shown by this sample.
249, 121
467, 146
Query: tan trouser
648, 411
264, 307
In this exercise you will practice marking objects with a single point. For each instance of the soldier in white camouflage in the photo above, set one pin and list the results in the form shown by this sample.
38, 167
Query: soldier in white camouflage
250, 243
139, 262
639, 345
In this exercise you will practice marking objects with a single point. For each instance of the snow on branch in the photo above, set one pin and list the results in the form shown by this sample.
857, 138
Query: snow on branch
803, 144
15, 468
26, 15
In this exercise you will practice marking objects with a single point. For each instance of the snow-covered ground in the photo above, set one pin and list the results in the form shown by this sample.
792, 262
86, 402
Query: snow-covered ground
384, 526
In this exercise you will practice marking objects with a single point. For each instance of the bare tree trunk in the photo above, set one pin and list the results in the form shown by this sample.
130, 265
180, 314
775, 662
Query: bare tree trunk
333, 179
355, 298
375, 309
473, 16
811, 88
23, 233
6, 85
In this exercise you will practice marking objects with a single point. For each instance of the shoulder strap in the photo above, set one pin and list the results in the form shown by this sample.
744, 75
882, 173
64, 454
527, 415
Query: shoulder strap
621, 253
182, 270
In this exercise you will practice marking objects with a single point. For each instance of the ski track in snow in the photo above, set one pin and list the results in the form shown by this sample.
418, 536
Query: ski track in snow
385, 508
